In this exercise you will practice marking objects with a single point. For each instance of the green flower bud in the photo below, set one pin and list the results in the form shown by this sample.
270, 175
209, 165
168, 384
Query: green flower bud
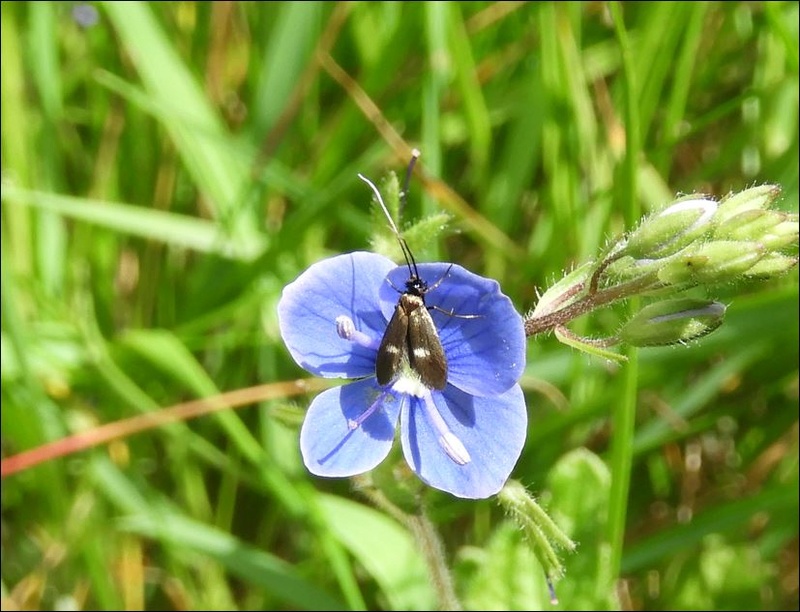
774, 229
755, 198
783, 234
673, 321
627, 269
672, 229
543, 535
747, 225
712, 262
565, 291
772, 264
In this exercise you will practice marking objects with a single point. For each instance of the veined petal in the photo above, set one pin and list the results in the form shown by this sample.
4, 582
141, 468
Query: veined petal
342, 285
485, 353
491, 429
330, 443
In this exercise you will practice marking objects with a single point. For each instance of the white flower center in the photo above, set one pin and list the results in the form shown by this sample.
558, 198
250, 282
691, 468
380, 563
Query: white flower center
409, 383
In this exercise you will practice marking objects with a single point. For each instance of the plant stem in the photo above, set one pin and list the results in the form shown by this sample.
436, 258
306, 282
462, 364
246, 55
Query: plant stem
591, 301
432, 549
428, 542
625, 411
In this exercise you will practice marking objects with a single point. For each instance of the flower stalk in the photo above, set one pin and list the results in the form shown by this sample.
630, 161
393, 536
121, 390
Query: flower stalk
694, 242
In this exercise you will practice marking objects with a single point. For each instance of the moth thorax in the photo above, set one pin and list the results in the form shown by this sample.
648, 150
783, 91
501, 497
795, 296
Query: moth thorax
416, 286
411, 301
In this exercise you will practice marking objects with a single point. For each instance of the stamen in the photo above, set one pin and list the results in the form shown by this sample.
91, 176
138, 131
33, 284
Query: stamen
449, 442
347, 331
357, 422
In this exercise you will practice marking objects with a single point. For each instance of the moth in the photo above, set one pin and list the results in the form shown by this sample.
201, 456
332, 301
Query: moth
411, 339
411, 336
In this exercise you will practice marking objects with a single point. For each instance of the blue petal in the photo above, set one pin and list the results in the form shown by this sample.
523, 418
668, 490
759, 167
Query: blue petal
485, 354
342, 285
492, 430
330, 447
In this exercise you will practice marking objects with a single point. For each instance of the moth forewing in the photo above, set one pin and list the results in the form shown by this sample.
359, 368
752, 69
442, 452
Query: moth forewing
394, 347
425, 353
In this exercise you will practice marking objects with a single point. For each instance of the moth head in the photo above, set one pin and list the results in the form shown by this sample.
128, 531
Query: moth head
415, 285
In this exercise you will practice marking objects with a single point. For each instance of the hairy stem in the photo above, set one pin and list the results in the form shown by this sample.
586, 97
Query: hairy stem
430, 543
591, 301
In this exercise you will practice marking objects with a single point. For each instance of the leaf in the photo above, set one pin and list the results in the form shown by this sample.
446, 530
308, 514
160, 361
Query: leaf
255, 566
385, 549
170, 228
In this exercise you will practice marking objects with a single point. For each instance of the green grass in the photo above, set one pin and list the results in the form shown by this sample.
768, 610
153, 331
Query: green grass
169, 169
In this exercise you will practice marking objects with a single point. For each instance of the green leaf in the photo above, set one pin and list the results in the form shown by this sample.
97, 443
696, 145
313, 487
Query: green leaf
170, 228
198, 132
280, 579
385, 549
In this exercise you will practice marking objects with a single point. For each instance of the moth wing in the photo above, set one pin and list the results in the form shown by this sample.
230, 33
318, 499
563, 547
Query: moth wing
394, 347
425, 352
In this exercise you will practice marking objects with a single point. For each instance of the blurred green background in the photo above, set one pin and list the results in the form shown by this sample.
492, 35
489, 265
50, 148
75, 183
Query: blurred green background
168, 167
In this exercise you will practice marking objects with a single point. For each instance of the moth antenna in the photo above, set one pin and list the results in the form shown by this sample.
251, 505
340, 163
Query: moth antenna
412, 265
380, 201
415, 153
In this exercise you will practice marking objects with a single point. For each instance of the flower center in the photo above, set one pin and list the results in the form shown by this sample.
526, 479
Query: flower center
409, 382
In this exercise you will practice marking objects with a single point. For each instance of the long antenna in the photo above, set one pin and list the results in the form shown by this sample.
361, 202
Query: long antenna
380, 201
412, 265
415, 153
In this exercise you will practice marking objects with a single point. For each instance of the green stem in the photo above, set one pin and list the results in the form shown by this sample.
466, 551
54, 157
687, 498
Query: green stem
625, 410
624, 415
428, 542
591, 301
432, 549
631, 115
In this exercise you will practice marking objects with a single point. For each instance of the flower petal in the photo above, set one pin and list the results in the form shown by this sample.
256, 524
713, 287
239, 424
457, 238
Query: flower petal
328, 444
486, 353
342, 285
492, 430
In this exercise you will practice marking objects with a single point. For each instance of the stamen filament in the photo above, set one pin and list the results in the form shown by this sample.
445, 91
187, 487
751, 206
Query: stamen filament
449, 442
347, 331
358, 421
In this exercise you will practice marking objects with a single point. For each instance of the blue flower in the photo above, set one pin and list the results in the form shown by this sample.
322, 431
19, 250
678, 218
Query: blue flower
465, 438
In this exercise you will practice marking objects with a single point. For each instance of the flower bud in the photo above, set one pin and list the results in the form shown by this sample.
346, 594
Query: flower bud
565, 291
755, 198
774, 229
747, 225
673, 321
772, 264
672, 229
713, 262
627, 269
783, 234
